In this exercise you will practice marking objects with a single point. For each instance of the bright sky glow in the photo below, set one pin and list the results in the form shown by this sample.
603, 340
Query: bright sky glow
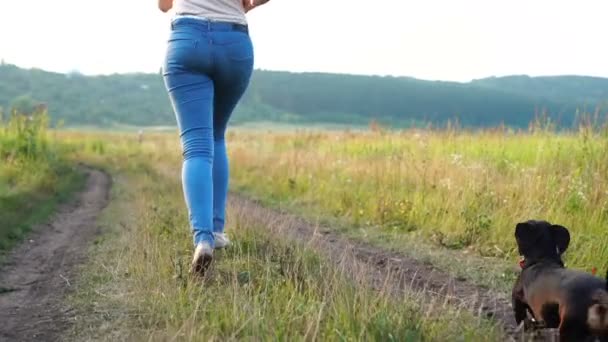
431, 39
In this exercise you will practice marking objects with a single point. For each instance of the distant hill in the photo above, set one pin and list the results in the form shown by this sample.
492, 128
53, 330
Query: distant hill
305, 98
580, 90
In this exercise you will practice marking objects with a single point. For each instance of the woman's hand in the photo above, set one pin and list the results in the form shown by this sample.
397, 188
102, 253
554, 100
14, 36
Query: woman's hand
251, 4
165, 5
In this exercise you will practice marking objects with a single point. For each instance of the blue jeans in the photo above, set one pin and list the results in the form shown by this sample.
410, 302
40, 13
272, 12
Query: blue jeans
207, 69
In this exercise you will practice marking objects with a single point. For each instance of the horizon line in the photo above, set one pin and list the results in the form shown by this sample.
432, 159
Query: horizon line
75, 71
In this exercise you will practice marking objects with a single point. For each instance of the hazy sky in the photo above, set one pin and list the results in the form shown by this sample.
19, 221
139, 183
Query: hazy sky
431, 39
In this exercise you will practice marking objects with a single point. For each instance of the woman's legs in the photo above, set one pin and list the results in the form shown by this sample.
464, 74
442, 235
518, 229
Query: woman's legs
206, 74
233, 68
192, 98
225, 101
191, 90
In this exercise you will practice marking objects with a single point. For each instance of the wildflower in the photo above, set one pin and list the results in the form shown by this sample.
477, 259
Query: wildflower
581, 195
456, 158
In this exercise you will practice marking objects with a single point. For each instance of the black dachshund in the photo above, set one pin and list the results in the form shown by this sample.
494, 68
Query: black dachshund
574, 302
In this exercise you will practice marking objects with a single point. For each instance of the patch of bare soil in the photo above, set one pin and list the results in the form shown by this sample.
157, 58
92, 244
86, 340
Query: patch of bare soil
381, 269
38, 273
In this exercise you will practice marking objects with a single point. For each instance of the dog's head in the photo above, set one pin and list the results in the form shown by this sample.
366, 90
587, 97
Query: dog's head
539, 240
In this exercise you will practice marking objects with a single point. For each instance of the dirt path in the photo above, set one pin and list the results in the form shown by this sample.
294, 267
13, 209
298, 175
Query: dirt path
383, 270
39, 272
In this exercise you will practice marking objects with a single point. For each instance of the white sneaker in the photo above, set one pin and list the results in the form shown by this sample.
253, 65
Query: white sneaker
203, 255
221, 240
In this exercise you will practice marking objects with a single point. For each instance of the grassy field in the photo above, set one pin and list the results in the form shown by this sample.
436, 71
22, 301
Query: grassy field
34, 175
136, 287
451, 196
454, 190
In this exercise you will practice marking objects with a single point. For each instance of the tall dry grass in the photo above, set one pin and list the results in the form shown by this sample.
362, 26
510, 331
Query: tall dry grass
136, 286
455, 189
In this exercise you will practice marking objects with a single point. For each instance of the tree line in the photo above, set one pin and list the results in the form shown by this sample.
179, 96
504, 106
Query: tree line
307, 98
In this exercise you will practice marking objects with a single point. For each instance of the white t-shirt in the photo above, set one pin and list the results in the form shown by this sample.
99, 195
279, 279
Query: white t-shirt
214, 10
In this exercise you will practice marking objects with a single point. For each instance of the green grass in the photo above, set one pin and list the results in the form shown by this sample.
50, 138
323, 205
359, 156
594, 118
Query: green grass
136, 286
435, 195
449, 197
34, 177
455, 190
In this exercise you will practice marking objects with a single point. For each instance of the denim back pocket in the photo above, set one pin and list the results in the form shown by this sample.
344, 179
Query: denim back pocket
240, 50
181, 49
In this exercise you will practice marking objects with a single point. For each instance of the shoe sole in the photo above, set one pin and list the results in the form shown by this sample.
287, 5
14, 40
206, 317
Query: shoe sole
200, 266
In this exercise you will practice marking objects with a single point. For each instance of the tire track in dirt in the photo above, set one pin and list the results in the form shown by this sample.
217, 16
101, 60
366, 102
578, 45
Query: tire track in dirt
38, 273
381, 269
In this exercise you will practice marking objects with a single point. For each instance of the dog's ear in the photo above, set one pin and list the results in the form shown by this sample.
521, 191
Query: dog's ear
525, 235
561, 235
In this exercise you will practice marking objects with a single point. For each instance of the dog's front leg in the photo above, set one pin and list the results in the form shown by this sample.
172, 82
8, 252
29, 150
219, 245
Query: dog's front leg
520, 307
521, 310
